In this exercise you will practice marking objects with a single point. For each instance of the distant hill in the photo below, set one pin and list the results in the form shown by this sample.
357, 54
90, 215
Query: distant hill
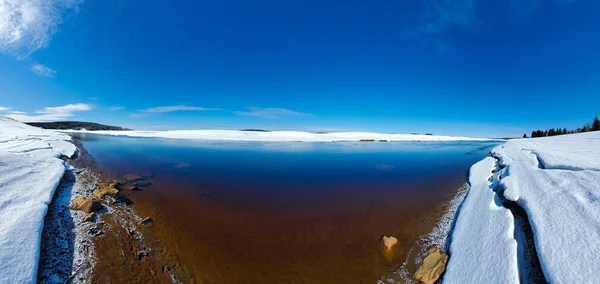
75, 125
255, 130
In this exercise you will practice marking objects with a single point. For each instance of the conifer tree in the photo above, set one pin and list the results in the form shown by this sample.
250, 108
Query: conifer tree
596, 124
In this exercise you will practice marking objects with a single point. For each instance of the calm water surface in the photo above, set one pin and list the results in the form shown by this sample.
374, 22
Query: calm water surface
279, 212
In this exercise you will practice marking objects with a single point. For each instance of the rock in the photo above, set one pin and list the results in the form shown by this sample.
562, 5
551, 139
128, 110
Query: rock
85, 204
102, 191
141, 254
432, 267
146, 221
388, 244
206, 193
132, 177
89, 217
142, 183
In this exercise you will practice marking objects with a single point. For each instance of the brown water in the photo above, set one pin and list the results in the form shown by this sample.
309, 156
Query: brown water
287, 213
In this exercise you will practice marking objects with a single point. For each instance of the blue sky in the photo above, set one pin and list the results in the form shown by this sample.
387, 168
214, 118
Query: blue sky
470, 67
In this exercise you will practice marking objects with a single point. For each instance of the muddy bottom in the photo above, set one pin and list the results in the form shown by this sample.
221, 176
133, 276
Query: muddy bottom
332, 238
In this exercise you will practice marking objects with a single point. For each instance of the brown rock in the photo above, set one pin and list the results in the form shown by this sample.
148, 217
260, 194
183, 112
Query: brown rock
102, 191
89, 217
432, 267
85, 204
388, 244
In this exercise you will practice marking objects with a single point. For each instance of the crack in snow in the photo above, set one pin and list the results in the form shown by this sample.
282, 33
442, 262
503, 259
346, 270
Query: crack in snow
530, 268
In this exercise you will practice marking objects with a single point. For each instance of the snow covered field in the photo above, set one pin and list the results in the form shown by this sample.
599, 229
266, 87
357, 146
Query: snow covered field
556, 180
30, 171
289, 136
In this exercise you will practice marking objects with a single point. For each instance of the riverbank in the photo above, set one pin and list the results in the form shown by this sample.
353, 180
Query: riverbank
531, 214
121, 246
55, 226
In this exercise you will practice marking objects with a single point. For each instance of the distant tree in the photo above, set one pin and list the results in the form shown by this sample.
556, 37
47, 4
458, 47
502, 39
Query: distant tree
564, 131
586, 128
551, 132
596, 124
524, 135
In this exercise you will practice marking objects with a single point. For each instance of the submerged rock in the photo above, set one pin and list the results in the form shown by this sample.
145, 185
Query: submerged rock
146, 221
432, 267
86, 204
102, 191
388, 244
142, 183
132, 177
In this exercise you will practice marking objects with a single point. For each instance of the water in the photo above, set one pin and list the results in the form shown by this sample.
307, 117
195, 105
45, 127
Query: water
287, 212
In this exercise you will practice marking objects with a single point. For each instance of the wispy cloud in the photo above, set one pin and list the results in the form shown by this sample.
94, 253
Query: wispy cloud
51, 113
5, 108
162, 109
441, 16
28, 25
271, 113
116, 108
42, 70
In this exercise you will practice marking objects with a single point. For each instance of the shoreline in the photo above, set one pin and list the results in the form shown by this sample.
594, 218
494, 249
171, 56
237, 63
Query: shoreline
123, 234
114, 246
437, 234
282, 136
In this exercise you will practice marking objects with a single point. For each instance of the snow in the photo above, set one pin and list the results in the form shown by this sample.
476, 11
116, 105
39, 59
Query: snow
30, 171
556, 181
289, 136
482, 248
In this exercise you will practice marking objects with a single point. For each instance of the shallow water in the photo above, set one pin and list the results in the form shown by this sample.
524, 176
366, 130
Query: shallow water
273, 212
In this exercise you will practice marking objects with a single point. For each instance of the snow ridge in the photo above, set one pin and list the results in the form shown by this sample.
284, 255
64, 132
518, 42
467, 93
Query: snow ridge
551, 188
30, 170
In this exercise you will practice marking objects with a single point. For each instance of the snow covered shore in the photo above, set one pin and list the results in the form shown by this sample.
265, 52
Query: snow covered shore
30, 171
556, 181
289, 136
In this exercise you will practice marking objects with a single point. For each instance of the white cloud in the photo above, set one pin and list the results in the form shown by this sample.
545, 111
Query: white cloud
162, 109
5, 108
42, 70
116, 108
51, 113
28, 25
271, 113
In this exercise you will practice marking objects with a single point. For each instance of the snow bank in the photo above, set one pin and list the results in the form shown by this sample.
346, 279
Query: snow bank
556, 180
30, 171
482, 249
289, 136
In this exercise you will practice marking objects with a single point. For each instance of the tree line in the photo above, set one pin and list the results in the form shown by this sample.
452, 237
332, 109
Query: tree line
594, 126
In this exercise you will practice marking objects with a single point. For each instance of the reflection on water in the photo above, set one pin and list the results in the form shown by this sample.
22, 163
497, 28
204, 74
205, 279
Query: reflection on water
287, 211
